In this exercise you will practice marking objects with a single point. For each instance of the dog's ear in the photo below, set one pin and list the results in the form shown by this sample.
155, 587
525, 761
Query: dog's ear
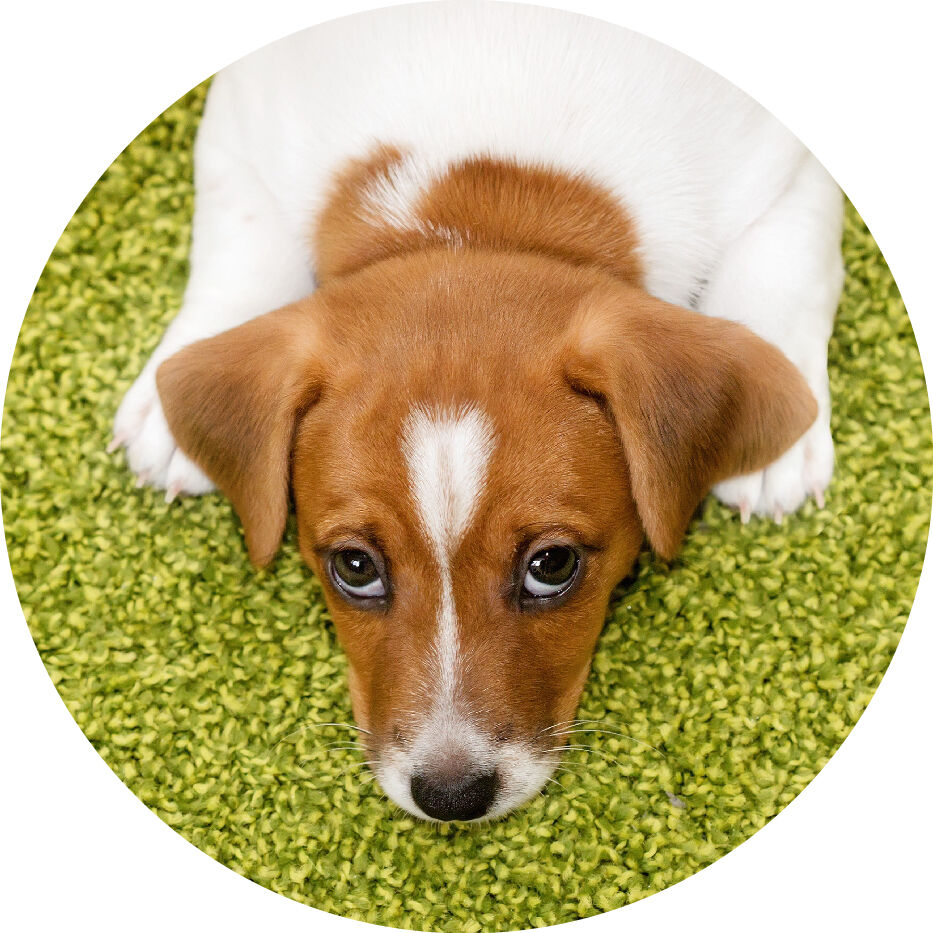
233, 402
695, 400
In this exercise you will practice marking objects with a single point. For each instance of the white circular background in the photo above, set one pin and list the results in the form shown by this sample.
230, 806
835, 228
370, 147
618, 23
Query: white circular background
852, 80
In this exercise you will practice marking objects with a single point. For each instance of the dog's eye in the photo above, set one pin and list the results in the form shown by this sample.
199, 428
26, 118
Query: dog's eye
550, 571
356, 573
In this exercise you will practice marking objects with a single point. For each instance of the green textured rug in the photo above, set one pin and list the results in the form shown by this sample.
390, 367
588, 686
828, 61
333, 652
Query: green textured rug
745, 664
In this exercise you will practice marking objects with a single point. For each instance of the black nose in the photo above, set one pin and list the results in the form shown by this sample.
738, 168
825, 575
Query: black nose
458, 797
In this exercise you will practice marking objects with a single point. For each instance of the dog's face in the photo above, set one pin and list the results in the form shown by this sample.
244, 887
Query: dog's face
467, 590
468, 523
476, 445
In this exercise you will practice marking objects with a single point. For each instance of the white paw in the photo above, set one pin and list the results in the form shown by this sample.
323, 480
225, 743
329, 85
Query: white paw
781, 488
151, 452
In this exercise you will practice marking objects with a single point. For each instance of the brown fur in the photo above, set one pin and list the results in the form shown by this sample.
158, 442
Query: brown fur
488, 204
614, 413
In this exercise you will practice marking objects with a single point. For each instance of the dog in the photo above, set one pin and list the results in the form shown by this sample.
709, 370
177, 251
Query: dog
494, 294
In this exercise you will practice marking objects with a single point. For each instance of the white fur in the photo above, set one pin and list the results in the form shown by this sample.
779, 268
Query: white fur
447, 453
393, 197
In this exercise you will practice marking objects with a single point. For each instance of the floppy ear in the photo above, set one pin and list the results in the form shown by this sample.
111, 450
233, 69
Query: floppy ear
233, 402
695, 400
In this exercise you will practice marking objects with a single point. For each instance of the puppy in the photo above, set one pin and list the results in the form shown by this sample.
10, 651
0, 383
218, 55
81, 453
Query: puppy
540, 284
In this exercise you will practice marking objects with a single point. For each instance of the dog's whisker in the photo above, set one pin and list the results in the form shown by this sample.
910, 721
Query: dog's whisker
556, 725
572, 771
342, 725
624, 735
587, 748
340, 774
569, 728
312, 757
308, 726
582, 722
577, 722
351, 767
566, 766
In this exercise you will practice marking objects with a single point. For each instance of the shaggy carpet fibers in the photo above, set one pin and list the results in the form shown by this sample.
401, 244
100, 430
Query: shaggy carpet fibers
733, 674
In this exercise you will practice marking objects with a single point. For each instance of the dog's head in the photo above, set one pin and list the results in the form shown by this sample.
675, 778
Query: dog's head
477, 444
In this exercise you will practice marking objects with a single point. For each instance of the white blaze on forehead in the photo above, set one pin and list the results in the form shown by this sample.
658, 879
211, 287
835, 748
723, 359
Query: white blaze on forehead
447, 452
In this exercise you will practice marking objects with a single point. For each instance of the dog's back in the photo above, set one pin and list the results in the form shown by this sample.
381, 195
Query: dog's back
692, 158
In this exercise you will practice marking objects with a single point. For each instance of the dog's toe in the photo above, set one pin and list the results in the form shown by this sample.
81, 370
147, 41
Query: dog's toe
132, 413
742, 493
151, 452
781, 488
819, 460
784, 487
185, 478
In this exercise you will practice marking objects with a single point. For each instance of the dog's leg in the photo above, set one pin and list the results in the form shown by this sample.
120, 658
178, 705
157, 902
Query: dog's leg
782, 278
246, 259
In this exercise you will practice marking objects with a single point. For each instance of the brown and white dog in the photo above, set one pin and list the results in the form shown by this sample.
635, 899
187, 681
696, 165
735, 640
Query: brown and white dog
483, 389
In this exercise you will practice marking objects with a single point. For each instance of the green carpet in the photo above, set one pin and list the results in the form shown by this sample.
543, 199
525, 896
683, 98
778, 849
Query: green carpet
745, 664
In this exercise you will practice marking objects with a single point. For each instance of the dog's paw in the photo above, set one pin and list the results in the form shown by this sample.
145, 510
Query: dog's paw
151, 452
781, 488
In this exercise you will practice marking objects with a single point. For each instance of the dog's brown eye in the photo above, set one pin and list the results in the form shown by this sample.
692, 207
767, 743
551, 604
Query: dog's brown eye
356, 573
550, 571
